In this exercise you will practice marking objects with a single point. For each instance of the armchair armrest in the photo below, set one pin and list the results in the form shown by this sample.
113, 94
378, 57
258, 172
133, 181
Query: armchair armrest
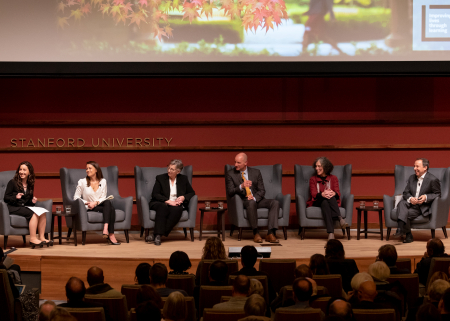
193, 210
300, 204
125, 204
285, 205
440, 208
48, 217
143, 209
347, 203
235, 209
388, 204
5, 222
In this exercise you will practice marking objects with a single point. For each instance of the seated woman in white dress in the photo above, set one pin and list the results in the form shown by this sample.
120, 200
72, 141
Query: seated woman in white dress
92, 191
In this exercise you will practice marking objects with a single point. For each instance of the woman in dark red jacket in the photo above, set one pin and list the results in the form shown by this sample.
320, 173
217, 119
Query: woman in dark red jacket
324, 191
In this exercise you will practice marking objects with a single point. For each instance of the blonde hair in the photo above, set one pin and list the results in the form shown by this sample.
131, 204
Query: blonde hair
360, 278
256, 287
175, 308
379, 271
214, 249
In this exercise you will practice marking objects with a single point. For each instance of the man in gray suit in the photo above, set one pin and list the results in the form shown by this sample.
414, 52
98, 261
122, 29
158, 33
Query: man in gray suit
247, 182
420, 191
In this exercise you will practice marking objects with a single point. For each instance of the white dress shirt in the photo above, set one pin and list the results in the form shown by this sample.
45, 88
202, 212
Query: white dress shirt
87, 194
173, 190
246, 177
419, 184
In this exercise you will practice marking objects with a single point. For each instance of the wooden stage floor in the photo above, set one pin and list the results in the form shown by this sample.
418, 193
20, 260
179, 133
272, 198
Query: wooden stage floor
58, 263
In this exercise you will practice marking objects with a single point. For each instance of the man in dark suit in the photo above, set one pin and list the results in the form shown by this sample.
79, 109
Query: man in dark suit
388, 254
247, 182
420, 191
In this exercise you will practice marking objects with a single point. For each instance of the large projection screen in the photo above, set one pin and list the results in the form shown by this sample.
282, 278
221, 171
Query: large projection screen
177, 37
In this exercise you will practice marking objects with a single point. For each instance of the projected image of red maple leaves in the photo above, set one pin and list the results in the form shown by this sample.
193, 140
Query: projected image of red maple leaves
253, 13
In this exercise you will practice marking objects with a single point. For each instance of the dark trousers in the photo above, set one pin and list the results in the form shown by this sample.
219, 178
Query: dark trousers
109, 214
252, 215
166, 217
330, 211
407, 212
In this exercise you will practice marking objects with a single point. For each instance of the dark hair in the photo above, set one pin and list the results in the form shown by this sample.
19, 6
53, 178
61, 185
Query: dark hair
302, 289
148, 311
143, 273
425, 162
241, 284
303, 271
249, 255
388, 254
158, 273
179, 261
326, 164
30, 180
75, 289
334, 250
148, 293
99, 173
218, 271
318, 265
446, 300
436, 246
428, 312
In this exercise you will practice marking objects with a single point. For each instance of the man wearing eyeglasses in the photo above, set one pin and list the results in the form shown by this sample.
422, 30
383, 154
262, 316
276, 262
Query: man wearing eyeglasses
247, 183
420, 191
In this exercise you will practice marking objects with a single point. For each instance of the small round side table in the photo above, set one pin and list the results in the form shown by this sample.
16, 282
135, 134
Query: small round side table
220, 220
59, 237
366, 209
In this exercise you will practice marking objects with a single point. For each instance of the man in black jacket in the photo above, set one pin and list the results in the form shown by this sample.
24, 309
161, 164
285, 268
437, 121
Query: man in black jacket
388, 254
435, 248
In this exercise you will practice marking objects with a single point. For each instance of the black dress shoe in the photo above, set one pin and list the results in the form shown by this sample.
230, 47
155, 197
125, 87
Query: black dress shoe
150, 238
409, 238
112, 243
158, 240
399, 233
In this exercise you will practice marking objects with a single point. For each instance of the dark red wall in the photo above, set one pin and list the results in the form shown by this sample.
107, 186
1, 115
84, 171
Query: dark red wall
408, 113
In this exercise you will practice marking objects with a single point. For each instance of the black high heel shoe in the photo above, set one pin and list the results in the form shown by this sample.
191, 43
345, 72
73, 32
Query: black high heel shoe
111, 242
33, 245
105, 236
49, 243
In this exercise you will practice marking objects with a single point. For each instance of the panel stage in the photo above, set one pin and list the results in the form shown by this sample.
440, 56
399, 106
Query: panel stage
60, 262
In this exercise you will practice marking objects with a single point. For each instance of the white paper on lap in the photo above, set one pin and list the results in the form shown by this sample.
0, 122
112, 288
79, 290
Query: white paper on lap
37, 210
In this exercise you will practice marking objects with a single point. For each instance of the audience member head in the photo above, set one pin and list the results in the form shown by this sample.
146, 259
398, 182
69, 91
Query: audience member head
45, 309
303, 271
318, 265
214, 249
302, 289
255, 305
95, 276
428, 312
435, 247
143, 273
179, 262
379, 271
437, 290
249, 255
175, 308
218, 271
148, 311
334, 250
388, 254
256, 287
158, 274
444, 304
358, 279
148, 293
341, 308
439, 275
60, 314
325, 167
241, 285
75, 290
367, 291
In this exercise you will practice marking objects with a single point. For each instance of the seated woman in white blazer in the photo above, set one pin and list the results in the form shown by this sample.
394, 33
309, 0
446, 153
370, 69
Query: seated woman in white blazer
92, 191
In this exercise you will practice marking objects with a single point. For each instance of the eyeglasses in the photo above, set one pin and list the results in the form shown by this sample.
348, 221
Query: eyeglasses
171, 169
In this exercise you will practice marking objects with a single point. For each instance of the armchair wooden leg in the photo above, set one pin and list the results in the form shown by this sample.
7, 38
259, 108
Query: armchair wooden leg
303, 233
142, 231
444, 229
185, 232
5, 241
24, 238
348, 232
300, 230
83, 237
147, 232
127, 237
433, 233
232, 229
191, 232
285, 232
388, 233
343, 231
69, 232
240, 234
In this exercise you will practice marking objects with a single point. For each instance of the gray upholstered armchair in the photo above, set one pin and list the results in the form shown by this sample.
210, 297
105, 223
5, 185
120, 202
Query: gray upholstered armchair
272, 176
145, 178
89, 220
15, 224
439, 207
312, 216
